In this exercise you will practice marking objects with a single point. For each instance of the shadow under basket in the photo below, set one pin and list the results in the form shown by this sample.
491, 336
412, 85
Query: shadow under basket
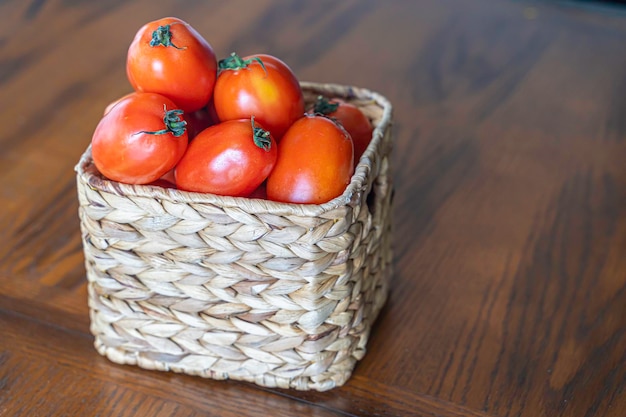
280, 295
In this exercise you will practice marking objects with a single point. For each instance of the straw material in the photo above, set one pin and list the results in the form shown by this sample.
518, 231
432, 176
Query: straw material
281, 295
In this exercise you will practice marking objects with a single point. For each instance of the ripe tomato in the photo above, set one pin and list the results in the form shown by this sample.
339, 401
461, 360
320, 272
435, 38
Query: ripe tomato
229, 158
351, 118
140, 139
269, 92
167, 56
315, 162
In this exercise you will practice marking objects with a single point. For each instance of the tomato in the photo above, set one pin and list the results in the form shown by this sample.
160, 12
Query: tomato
315, 162
140, 139
169, 57
229, 158
351, 118
269, 92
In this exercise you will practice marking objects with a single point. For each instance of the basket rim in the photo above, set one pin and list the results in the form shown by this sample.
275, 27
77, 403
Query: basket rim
87, 172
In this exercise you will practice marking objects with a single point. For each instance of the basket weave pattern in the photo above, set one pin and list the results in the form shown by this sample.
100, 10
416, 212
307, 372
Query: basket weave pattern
281, 295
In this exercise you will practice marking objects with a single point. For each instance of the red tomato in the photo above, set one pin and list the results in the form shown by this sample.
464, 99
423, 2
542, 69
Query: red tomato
269, 92
230, 158
315, 162
140, 139
167, 56
351, 118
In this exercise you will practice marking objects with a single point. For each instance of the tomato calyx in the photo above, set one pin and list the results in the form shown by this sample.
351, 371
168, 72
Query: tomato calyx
234, 62
162, 36
174, 124
261, 137
324, 107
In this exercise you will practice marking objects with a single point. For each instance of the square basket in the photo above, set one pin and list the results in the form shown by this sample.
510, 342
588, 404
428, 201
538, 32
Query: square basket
280, 295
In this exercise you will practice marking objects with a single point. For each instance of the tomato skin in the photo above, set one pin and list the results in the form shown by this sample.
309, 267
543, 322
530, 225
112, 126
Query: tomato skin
315, 162
123, 151
274, 97
186, 76
223, 159
353, 120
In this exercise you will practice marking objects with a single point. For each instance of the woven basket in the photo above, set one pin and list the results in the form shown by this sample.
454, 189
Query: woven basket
281, 295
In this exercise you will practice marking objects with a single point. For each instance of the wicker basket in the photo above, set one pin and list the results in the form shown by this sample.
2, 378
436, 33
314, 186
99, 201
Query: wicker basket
281, 295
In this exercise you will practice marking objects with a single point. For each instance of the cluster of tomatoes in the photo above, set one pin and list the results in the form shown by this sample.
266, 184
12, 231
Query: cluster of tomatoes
235, 127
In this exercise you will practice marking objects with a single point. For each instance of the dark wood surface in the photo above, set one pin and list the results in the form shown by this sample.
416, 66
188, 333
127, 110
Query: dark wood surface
509, 292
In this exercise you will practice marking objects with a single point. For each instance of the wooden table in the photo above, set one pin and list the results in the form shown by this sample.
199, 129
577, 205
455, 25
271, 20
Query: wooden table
509, 291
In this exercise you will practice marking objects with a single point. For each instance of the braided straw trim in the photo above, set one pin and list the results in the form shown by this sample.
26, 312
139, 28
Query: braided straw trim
281, 295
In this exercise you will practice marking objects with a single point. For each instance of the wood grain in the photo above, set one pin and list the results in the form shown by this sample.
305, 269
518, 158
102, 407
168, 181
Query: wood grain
55, 373
509, 293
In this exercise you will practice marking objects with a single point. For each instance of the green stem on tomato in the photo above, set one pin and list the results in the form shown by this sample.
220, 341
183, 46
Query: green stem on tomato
235, 62
162, 36
174, 124
324, 107
261, 137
